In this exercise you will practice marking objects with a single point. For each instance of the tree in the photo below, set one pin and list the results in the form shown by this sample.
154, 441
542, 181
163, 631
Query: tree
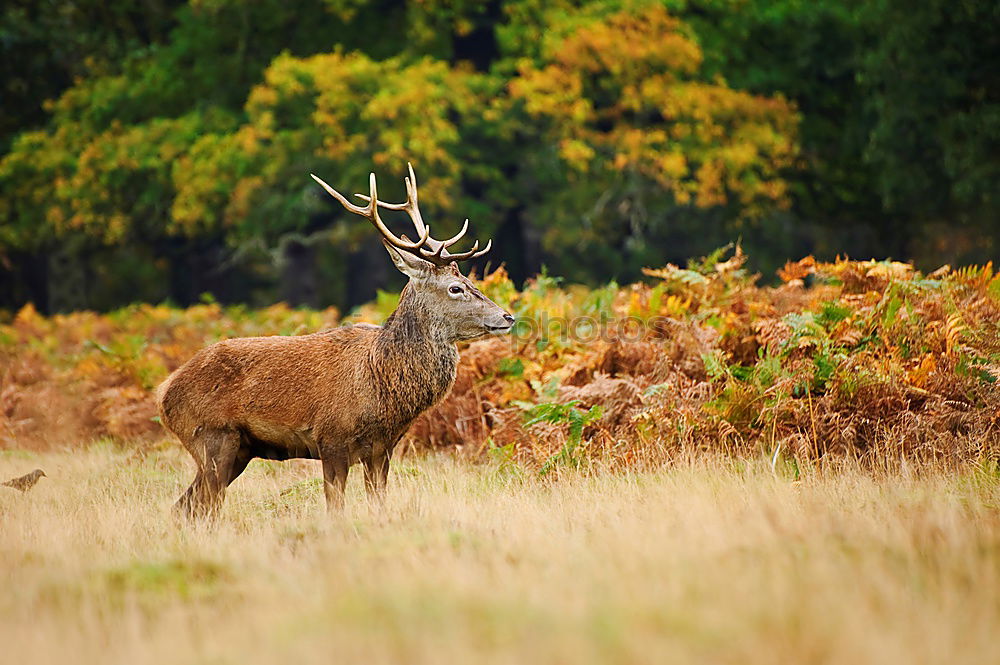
99, 174
45, 45
933, 90
629, 115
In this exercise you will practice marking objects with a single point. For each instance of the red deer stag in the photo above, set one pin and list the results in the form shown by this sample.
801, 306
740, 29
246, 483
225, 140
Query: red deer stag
341, 396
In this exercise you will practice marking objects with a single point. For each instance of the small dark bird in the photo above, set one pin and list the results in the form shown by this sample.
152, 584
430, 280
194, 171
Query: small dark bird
25, 482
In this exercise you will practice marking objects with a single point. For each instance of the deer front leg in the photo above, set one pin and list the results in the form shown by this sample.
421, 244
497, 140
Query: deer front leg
190, 504
335, 465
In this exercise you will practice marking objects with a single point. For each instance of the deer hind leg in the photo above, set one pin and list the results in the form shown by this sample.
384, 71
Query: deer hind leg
376, 473
220, 460
240, 462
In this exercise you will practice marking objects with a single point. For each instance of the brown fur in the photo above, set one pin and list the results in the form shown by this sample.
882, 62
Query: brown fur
342, 396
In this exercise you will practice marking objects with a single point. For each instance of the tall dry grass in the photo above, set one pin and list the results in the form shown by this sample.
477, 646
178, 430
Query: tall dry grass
711, 560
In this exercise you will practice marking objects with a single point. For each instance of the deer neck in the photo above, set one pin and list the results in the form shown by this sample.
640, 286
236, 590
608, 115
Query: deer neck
413, 360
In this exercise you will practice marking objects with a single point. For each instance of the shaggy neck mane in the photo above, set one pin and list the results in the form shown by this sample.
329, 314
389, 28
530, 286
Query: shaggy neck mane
413, 359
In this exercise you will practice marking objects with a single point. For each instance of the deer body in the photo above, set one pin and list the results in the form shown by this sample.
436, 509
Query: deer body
342, 396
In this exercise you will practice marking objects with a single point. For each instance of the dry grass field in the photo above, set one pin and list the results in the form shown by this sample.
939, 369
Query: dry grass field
709, 560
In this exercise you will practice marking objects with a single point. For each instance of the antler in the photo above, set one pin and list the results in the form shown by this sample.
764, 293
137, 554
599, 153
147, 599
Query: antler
371, 212
427, 248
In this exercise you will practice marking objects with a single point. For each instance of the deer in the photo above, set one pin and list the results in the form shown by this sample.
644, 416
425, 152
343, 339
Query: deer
343, 395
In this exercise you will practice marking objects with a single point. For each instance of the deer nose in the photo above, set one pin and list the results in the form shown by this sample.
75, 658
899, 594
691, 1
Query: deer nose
508, 318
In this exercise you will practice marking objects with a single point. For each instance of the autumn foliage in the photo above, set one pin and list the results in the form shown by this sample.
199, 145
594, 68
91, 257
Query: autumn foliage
859, 358
627, 93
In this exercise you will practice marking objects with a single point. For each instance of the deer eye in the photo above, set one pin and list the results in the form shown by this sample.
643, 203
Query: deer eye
454, 289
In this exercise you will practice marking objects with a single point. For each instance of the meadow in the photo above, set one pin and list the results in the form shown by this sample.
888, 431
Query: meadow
694, 468
707, 559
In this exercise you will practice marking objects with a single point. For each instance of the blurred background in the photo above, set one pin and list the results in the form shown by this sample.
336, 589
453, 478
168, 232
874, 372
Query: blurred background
159, 151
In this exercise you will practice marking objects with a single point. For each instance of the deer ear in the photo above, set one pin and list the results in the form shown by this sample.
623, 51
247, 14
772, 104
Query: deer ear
412, 266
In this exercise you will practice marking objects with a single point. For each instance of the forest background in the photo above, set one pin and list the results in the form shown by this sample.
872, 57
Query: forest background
160, 151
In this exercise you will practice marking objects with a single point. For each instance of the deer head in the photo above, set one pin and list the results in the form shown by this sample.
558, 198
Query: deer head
437, 290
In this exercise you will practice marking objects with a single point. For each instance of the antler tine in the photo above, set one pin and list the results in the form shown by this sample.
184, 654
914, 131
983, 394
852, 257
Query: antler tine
458, 236
463, 255
411, 195
357, 210
489, 244
371, 212
385, 204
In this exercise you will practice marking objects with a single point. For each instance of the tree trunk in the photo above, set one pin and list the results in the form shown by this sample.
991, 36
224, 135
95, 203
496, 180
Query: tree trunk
367, 271
24, 278
68, 279
299, 283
